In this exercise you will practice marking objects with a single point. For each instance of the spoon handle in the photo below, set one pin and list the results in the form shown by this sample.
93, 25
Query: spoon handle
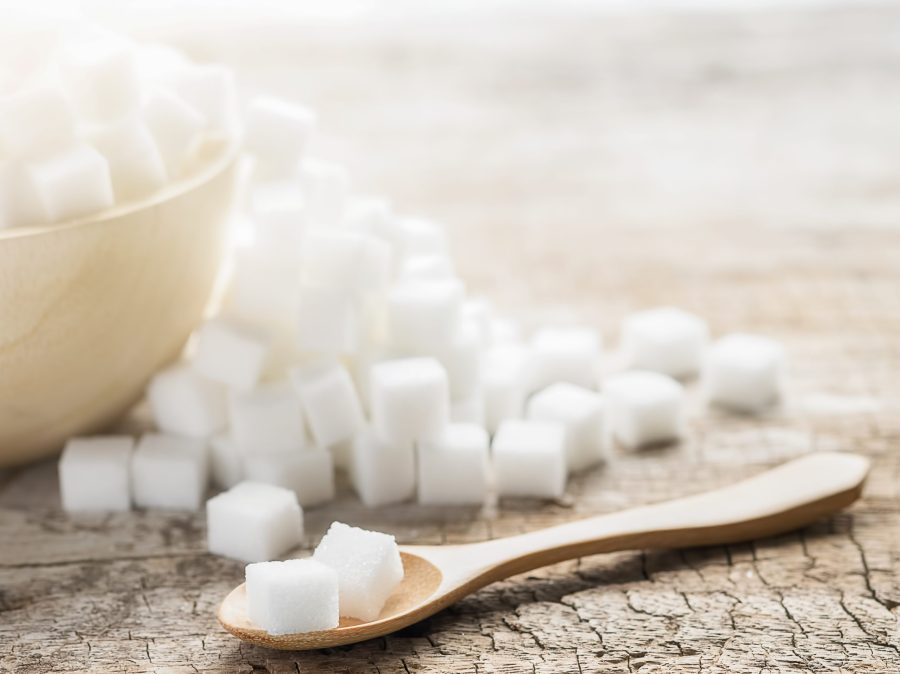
778, 500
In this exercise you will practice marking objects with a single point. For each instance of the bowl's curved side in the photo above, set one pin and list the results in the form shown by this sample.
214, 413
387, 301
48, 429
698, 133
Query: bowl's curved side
88, 313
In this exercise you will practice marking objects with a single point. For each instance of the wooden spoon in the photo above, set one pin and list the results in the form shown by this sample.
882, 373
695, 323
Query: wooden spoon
778, 500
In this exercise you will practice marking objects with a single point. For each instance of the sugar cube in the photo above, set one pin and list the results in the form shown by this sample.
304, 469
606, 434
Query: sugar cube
36, 122
169, 472
277, 132
745, 372
210, 90
421, 237
95, 474
424, 314
100, 76
469, 410
231, 352
644, 408
479, 312
175, 126
225, 461
326, 187
665, 340
529, 459
409, 399
186, 403
279, 215
568, 354
136, 166
580, 411
424, 267
328, 321
253, 522
461, 357
382, 473
308, 473
506, 375
267, 419
71, 183
344, 260
297, 595
332, 407
19, 203
453, 466
368, 566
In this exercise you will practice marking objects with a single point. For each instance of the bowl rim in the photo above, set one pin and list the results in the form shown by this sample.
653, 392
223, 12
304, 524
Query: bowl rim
225, 152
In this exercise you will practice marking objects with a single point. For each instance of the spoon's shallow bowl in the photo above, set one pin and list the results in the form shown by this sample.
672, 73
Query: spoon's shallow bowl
89, 309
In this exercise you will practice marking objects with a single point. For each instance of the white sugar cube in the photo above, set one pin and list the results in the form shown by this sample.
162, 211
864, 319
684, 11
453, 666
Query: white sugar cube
409, 400
506, 373
231, 353
643, 408
425, 267
297, 595
19, 203
745, 372
253, 522
665, 340
175, 126
479, 312
529, 459
308, 473
267, 419
71, 183
344, 260
424, 314
95, 474
580, 411
326, 187
265, 285
36, 122
100, 76
469, 410
382, 473
169, 472
421, 237
332, 407
328, 321
279, 214
453, 466
504, 331
226, 463
568, 354
368, 565
136, 166
210, 90
277, 132
186, 403
461, 357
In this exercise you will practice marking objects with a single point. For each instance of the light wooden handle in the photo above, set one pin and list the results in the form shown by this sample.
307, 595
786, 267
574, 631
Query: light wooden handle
784, 498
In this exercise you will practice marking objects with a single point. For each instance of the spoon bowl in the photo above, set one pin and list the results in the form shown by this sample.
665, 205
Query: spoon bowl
782, 499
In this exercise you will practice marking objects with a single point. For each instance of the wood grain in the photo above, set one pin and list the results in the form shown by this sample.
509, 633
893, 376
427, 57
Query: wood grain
527, 135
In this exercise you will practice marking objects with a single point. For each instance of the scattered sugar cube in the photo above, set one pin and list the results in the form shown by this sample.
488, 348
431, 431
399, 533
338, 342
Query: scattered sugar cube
72, 183
253, 522
36, 122
368, 565
469, 410
344, 260
580, 411
186, 403
479, 312
565, 354
461, 357
326, 187
175, 126
95, 474
279, 215
231, 353
276, 132
332, 407
409, 400
267, 419
382, 473
506, 374
453, 466
328, 321
665, 340
136, 166
424, 314
297, 595
644, 408
225, 461
308, 473
265, 285
169, 472
529, 459
19, 203
210, 90
745, 372
100, 77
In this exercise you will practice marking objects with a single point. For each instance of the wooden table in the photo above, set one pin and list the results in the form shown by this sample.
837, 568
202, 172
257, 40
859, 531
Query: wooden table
743, 166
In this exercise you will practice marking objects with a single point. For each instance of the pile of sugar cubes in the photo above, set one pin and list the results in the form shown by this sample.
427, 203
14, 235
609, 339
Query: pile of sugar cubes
100, 121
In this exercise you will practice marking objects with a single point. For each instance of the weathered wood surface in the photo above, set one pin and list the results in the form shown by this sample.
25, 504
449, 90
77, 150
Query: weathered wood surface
526, 174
